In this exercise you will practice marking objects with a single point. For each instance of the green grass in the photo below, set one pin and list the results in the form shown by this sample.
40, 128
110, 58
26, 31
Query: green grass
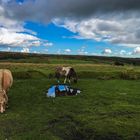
108, 107
104, 110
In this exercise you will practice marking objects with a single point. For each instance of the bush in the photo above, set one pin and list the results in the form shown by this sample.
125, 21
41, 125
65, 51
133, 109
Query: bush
129, 75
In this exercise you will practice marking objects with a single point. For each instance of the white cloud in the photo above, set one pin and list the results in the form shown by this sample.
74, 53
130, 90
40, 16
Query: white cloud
116, 29
95, 54
8, 49
82, 50
14, 34
7, 22
11, 38
25, 50
83, 53
48, 44
136, 50
107, 51
45, 51
14, 37
122, 52
58, 51
67, 50
35, 52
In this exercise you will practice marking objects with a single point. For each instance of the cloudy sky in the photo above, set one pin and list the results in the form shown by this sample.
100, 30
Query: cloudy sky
84, 27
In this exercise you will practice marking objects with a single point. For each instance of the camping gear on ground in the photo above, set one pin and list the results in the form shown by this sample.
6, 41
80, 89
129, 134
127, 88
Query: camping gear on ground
62, 90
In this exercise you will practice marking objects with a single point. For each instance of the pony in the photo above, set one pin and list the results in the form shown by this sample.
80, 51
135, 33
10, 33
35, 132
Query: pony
67, 72
6, 81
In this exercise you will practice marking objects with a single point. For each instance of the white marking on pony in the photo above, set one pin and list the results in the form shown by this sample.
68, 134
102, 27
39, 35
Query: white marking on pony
66, 70
65, 80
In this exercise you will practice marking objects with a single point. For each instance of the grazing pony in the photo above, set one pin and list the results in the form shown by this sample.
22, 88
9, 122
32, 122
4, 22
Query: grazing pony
68, 72
6, 81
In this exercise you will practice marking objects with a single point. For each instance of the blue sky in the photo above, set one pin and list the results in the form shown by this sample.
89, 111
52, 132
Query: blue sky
64, 30
62, 40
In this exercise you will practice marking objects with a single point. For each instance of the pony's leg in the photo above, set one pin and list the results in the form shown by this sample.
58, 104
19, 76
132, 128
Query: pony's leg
1, 108
69, 81
57, 76
65, 80
69, 78
58, 81
6, 98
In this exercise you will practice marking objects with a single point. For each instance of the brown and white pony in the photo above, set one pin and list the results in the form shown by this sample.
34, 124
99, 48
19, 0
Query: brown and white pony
6, 81
67, 72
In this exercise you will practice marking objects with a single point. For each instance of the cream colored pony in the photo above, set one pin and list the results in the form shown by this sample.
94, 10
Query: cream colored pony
6, 81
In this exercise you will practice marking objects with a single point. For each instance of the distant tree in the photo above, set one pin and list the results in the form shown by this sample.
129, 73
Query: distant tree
117, 63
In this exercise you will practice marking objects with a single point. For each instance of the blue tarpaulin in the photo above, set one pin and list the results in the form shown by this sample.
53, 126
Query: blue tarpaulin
61, 88
51, 92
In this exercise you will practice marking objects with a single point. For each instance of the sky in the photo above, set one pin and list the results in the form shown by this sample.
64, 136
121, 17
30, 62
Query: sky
77, 27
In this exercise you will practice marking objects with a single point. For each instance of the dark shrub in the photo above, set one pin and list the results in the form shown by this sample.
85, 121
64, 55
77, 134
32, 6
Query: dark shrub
117, 63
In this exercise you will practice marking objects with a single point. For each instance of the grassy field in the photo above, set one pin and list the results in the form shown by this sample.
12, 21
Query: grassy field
108, 107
